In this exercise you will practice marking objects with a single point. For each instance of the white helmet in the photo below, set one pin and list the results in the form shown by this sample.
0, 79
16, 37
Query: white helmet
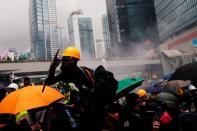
13, 86
191, 87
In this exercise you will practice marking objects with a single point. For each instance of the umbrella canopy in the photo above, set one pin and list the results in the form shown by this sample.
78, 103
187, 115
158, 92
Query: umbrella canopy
126, 85
177, 84
174, 85
153, 89
186, 72
27, 98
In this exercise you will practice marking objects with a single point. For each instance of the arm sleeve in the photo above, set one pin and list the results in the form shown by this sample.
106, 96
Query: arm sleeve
54, 79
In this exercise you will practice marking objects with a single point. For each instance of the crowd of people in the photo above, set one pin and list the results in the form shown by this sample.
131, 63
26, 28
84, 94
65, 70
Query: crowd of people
90, 105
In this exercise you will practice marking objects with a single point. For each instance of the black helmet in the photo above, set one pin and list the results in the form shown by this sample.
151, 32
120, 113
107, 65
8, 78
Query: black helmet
168, 98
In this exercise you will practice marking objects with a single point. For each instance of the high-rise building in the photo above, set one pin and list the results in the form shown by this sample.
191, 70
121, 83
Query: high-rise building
175, 17
131, 24
99, 49
80, 32
86, 38
43, 29
112, 13
73, 31
106, 35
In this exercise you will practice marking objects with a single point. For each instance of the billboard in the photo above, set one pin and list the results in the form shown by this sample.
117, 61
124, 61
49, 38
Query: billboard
194, 42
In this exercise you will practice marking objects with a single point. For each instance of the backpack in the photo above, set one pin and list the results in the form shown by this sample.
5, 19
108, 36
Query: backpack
101, 93
104, 85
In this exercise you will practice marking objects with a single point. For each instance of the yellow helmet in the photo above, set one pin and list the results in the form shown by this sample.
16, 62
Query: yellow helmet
72, 52
141, 92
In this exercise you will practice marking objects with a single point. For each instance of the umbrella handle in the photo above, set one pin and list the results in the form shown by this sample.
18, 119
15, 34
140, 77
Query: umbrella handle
43, 87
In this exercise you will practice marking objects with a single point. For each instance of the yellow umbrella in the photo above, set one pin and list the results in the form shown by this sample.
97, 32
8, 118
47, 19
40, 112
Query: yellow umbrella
29, 97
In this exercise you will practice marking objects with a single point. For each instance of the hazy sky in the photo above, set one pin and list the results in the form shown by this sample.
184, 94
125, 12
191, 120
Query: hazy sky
14, 20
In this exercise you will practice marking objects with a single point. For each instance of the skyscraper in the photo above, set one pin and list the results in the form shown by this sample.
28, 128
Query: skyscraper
86, 38
131, 23
80, 32
175, 17
43, 29
73, 31
106, 35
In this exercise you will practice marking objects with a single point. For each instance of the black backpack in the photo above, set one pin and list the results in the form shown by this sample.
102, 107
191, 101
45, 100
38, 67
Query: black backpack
102, 92
104, 85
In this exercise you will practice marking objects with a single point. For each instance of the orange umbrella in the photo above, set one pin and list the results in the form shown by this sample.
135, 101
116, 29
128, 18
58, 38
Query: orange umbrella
28, 98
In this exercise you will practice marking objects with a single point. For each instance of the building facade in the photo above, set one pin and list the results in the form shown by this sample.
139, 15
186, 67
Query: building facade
106, 35
131, 23
177, 30
73, 31
99, 49
43, 29
86, 38
175, 17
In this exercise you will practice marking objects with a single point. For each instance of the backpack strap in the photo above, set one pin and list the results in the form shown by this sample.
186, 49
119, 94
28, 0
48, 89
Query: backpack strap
89, 74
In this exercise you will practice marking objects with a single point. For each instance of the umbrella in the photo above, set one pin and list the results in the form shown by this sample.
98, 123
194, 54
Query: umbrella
177, 83
27, 98
174, 85
168, 76
186, 72
153, 89
126, 85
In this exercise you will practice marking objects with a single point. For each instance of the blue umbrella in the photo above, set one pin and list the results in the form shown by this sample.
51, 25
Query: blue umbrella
154, 89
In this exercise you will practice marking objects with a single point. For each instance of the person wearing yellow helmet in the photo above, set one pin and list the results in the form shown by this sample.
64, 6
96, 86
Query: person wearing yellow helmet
141, 93
71, 52
91, 88
70, 71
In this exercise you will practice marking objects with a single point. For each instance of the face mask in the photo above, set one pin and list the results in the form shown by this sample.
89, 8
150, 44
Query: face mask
67, 66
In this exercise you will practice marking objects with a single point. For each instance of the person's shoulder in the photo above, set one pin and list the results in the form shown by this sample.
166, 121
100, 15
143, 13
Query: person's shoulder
86, 68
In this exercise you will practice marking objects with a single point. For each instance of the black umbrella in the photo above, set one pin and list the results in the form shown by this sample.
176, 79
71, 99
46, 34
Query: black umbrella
52, 66
186, 72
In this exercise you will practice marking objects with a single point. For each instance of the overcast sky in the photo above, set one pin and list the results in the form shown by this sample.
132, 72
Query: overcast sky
14, 20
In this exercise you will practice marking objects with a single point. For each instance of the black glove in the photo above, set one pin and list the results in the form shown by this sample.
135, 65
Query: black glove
55, 62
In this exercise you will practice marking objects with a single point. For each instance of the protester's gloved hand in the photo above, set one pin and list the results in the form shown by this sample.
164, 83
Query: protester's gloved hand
56, 62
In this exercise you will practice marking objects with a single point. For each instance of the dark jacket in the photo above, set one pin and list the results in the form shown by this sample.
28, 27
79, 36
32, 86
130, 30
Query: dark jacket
90, 119
71, 73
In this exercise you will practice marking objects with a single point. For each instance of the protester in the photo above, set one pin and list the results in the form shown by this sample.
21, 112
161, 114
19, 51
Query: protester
136, 118
166, 112
113, 118
12, 87
90, 87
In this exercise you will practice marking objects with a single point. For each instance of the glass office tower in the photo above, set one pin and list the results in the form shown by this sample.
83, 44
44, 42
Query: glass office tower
106, 34
43, 29
86, 38
131, 24
175, 17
